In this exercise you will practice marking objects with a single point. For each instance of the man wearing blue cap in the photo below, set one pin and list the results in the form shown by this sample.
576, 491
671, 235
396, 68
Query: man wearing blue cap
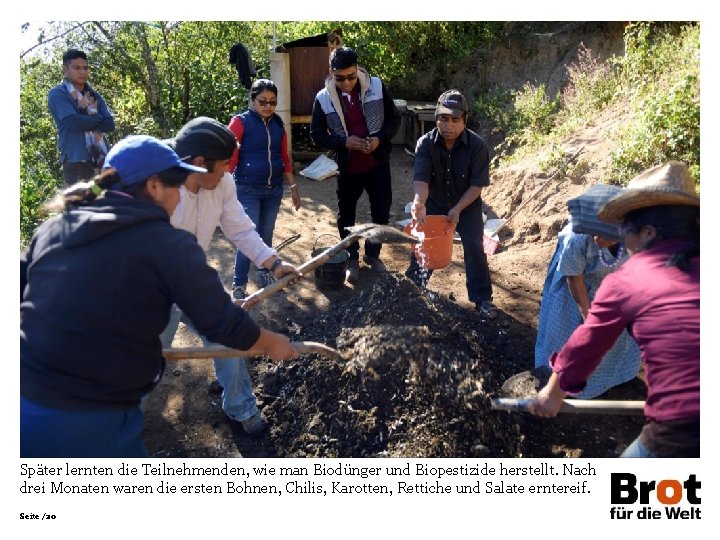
97, 283
207, 201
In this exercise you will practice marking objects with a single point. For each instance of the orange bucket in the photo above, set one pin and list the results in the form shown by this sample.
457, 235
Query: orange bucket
435, 249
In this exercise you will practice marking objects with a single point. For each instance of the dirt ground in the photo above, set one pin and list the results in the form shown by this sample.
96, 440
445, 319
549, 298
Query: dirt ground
425, 364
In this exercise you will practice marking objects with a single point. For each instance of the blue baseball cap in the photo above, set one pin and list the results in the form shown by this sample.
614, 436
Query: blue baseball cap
138, 157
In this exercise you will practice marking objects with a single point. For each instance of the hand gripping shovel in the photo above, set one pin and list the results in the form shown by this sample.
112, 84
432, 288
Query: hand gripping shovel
521, 387
218, 351
369, 231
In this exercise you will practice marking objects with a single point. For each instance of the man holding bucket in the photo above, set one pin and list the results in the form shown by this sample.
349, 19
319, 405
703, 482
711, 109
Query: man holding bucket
452, 165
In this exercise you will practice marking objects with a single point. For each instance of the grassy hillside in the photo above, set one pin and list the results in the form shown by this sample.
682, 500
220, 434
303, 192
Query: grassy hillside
656, 84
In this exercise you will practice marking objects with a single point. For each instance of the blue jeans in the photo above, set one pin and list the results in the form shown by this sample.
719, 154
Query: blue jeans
238, 400
46, 432
477, 273
637, 450
262, 205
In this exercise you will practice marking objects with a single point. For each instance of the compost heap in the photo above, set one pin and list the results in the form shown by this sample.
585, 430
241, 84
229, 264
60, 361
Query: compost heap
415, 383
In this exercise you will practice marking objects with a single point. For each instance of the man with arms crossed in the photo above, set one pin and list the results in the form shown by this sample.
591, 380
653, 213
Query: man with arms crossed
81, 117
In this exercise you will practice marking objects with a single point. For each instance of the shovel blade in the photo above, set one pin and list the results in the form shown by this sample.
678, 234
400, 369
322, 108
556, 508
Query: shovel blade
384, 234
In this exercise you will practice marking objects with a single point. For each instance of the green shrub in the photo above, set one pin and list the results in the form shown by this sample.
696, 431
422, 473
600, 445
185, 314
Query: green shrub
661, 74
495, 105
533, 112
531, 118
40, 173
590, 87
667, 127
657, 80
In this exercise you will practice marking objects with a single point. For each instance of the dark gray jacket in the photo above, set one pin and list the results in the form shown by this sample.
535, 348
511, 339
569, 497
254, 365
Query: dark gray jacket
97, 284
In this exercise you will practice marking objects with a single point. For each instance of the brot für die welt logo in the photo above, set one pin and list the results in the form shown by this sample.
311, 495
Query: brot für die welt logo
679, 499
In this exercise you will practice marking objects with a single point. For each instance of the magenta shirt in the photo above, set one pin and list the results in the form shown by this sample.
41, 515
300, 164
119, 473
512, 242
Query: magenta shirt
355, 123
660, 307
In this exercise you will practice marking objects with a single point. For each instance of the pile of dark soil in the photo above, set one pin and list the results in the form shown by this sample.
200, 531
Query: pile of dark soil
405, 391
417, 382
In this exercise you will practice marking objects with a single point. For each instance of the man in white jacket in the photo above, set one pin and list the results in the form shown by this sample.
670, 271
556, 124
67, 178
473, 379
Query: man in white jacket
206, 201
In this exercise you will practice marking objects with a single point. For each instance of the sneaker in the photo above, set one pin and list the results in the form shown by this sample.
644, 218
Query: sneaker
486, 309
264, 278
352, 274
375, 264
255, 424
239, 292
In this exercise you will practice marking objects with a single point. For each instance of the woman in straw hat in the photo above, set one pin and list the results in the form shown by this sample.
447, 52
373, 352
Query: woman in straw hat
587, 251
656, 296
97, 284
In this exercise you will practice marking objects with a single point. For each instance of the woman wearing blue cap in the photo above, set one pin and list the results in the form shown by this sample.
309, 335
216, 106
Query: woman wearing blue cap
97, 283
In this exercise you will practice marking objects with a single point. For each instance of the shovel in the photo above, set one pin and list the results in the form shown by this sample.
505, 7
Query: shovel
577, 406
491, 240
218, 351
369, 231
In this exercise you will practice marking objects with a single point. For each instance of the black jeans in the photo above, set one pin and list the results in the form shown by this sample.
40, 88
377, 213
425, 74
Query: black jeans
477, 273
75, 171
350, 187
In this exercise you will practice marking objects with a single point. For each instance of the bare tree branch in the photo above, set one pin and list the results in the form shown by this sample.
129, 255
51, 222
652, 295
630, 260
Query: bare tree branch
120, 57
156, 107
43, 42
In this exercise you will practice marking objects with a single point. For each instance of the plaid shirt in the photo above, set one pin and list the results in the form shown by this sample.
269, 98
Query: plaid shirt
584, 210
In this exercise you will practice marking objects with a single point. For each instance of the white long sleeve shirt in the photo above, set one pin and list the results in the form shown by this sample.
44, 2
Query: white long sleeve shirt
200, 213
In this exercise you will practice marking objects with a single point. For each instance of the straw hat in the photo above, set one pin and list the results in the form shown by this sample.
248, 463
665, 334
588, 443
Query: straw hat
666, 184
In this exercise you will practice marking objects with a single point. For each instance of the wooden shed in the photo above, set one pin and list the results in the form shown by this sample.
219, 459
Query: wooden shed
309, 67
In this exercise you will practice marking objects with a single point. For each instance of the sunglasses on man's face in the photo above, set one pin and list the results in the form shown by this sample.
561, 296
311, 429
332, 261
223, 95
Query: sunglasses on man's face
343, 78
263, 103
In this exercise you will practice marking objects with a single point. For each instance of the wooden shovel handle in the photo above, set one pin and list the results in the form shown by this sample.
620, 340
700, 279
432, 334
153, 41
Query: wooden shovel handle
304, 269
577, 406
218, 351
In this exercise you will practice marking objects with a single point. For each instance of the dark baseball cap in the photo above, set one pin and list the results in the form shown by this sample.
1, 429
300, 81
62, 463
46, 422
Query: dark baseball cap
453, 103
203, 136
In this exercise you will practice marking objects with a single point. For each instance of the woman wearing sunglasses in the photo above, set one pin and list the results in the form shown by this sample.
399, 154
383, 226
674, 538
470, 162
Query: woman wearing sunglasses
259, 168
